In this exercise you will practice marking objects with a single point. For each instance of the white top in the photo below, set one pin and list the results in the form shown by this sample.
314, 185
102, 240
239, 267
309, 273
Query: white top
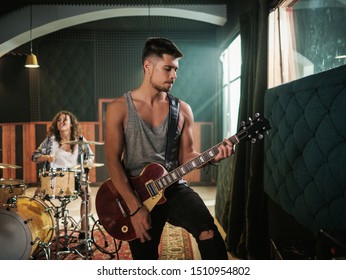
64, 159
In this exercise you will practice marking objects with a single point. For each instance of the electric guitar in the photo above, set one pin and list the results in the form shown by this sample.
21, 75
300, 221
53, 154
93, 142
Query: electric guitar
154, 179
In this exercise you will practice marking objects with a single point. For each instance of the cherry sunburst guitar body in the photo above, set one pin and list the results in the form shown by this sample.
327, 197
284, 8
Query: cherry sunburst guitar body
112, 210
154, 179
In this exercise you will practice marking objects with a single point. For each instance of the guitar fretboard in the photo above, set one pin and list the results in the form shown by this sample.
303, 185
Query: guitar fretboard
249, 131
175, 175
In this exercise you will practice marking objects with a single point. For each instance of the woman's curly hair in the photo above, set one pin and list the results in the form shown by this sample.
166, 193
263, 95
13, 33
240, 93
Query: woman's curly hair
75, 129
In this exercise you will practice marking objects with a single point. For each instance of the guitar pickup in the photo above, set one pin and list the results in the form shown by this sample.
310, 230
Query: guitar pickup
151, 188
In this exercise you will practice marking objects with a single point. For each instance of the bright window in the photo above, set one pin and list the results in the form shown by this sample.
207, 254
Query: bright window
231, 65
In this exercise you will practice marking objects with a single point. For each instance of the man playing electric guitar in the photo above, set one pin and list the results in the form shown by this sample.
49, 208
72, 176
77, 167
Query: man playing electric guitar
137, 125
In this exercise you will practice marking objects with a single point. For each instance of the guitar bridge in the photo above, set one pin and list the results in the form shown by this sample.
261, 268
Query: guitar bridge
122, 210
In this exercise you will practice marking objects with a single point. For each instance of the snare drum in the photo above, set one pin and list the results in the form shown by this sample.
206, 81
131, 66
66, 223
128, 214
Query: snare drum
9, 189
25, 228
57, 183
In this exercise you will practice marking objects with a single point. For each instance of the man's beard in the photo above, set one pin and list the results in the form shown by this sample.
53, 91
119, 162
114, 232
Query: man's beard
159, 87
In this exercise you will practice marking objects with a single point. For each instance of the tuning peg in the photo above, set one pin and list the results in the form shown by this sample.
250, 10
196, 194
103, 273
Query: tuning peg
253, 140
242, 123
250, 120
257, 115
260, 136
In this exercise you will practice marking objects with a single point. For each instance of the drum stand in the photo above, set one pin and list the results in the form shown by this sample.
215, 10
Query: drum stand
46, 250
84, 249
61, 212
76, 226
84, 176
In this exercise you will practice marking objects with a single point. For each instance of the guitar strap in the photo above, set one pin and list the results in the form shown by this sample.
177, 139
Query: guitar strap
171, 146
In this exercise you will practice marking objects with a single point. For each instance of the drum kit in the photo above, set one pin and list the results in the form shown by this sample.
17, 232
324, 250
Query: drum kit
29, 224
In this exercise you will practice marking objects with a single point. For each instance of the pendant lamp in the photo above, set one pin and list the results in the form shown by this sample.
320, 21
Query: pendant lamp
31, 59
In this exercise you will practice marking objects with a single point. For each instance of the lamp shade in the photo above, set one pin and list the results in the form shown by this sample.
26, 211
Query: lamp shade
31, 61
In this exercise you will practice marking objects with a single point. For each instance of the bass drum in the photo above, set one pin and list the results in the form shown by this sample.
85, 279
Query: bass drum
25, 228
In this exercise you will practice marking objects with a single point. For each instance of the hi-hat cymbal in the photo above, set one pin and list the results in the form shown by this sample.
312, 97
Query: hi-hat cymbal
89, 165
12, 182
7, 165
83, 141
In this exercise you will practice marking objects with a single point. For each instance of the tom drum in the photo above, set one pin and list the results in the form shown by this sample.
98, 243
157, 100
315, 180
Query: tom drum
9, 189
57, 183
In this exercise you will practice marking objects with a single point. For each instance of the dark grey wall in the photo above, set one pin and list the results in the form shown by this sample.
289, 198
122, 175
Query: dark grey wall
14, 93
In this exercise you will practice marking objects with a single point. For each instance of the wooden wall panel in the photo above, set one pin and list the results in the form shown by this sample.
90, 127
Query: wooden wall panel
29, 145
195, 177
89, 130
9, 149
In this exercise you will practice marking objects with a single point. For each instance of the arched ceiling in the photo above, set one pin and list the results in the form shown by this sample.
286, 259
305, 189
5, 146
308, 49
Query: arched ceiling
9, 6
49, 16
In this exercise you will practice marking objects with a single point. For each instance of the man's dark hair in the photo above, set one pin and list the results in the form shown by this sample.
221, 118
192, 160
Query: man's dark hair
159, 46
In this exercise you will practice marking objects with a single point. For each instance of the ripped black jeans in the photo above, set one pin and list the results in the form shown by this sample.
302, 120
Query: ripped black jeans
184, 208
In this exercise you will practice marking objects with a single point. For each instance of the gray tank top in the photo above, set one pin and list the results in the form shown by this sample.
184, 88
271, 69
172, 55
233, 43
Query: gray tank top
143, 144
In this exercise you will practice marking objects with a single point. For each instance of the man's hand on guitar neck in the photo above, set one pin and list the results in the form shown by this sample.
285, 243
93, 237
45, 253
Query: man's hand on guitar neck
225, 151
141, 222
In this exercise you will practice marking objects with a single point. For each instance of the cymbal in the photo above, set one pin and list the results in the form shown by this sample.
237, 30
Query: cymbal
7, 165
11, 182
89, 165
83, 141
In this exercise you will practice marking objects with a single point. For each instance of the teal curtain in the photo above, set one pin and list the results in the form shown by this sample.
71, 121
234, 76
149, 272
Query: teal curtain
246, 218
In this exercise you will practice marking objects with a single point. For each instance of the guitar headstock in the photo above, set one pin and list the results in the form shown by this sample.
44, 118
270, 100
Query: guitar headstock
253, 129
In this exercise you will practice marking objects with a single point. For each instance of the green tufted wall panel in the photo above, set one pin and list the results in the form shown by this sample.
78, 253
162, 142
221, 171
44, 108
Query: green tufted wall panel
67, 79
305, 151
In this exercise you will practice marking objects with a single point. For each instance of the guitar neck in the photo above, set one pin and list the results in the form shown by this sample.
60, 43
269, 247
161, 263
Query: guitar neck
197, 162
